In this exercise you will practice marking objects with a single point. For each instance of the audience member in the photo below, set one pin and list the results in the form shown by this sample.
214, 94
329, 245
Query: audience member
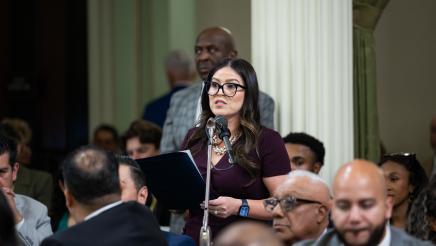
106, 136
422, 216
29, 182
303, 214
305, 152
246, 234
261, 162
8, 235
430, 164
132, 181
212, 45
93, 197
180, 71
361, 209
405, 178
133, 188
30, 216
142, 140
25, 136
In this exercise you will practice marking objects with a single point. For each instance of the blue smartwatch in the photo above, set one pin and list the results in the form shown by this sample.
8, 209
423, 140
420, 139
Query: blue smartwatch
244, 209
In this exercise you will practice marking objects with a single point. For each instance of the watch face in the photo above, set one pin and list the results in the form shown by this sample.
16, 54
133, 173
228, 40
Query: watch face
244, 211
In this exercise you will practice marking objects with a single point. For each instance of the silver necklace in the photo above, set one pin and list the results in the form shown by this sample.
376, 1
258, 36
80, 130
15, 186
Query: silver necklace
216, 141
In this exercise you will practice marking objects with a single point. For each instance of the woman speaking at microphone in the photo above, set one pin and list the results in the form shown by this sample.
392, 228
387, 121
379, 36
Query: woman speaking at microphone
261, 163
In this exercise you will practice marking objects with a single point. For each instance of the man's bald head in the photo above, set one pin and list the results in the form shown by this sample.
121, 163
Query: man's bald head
360, 173
212, 45
360, 205
222, 33
247, 233
306, 185
304, 207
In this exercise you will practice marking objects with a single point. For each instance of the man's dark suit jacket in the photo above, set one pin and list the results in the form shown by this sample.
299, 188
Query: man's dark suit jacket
126, 224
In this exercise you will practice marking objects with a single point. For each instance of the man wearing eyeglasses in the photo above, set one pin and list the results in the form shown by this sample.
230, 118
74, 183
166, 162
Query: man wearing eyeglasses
300, 207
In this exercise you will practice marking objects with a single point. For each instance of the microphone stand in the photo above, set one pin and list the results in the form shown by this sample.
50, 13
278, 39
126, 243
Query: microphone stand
205, 233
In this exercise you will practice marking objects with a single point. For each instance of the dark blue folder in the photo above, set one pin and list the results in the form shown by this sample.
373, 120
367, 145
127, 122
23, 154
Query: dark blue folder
174, 180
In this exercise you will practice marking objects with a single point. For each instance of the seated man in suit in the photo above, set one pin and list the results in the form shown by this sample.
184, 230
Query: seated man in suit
133, 188
30, 182
361, 209
30, 216
305, 152
300, 207
93, 197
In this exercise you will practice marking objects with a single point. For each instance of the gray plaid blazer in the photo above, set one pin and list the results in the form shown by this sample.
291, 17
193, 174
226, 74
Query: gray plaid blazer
181, 116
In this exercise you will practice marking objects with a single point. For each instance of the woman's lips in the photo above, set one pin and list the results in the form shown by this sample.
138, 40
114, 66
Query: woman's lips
220, 102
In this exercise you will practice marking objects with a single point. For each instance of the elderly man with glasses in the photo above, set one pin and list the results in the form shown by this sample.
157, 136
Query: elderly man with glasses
304, 206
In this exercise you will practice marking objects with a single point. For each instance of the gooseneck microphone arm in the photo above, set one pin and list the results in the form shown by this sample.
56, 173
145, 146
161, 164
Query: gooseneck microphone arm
224, 134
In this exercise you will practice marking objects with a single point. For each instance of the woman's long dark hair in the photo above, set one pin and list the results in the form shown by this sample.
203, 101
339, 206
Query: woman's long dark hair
250, 117
422, 212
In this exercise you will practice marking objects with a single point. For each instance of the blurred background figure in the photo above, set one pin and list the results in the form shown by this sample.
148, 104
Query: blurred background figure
180, 72
25, 135
30, 182
247, 233
422, 216
305, 152
8, 235
405, 178
106, 136
142, 140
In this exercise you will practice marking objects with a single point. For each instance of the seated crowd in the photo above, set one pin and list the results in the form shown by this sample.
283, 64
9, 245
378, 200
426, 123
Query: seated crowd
106, 196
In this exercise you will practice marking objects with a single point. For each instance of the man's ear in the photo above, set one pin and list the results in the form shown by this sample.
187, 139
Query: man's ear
69, 200
233, 54
61, 185
142, 195
317, 167
15, 169
323, 212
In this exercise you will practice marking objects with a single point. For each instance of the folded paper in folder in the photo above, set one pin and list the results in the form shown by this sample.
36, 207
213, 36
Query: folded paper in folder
175, 180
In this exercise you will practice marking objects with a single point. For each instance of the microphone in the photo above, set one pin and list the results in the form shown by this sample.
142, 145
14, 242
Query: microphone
224, 134
210, 128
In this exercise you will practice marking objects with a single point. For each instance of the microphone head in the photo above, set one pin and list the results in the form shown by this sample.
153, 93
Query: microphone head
221, 124
210, 123
221, 121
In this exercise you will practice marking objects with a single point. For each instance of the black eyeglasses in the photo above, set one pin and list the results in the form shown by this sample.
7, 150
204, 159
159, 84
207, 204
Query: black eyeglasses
228, 89
287, 204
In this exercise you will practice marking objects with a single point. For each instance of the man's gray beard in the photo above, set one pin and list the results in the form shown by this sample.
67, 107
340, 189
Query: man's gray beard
375, 238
